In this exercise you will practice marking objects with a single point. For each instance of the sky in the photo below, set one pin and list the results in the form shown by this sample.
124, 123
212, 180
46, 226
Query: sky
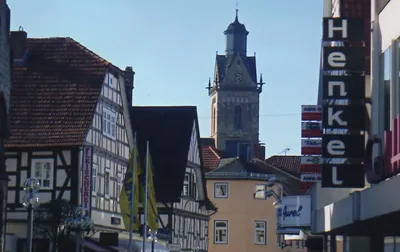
171, 46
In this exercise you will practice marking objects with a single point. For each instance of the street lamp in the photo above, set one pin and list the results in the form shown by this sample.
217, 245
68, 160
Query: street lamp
272, 193
30, 201
277, 197
78, 223
153, 238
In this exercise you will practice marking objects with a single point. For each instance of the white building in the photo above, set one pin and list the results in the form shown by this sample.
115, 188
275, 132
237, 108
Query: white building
368, 219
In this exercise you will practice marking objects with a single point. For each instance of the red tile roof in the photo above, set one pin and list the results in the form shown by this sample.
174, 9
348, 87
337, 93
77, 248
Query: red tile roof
211, 157
55, 93
289, 164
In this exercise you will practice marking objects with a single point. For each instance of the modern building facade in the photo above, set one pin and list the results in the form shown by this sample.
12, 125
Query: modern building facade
366, 219
235, 97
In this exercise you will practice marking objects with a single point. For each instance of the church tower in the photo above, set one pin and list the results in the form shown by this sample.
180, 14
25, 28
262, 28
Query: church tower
234, 95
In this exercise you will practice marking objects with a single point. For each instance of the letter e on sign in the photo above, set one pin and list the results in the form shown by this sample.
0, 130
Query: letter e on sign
337, 59
336, 147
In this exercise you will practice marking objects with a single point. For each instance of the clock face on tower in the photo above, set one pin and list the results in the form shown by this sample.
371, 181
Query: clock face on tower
238, 76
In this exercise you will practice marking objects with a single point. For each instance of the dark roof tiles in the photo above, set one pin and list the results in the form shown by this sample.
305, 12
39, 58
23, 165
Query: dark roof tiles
169, 131
211, 158
289, 164
55, 93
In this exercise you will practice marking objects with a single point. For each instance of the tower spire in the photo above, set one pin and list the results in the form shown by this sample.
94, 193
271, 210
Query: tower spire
237, 10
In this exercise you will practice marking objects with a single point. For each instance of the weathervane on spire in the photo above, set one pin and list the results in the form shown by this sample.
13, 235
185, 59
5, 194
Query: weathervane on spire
237, 8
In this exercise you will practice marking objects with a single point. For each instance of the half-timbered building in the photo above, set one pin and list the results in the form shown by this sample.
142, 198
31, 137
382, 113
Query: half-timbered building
182, 202
69, 130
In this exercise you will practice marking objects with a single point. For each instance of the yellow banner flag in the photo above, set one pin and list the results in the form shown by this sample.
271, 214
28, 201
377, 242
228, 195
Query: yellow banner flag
126, 193
152, 214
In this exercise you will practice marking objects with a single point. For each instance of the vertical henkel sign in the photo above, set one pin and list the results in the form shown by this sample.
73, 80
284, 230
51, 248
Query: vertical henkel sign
350, 116
87, 160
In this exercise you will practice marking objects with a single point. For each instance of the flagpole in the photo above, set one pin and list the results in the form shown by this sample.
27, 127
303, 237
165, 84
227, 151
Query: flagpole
132, 212
146, 196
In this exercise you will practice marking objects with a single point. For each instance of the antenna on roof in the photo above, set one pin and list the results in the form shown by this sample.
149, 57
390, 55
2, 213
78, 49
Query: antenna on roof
285, 151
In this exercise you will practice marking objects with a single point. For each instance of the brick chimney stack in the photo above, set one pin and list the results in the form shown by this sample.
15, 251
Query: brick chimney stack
18, 44
129, 80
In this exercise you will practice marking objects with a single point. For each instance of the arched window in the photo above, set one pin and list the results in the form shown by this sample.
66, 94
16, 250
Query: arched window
238, 118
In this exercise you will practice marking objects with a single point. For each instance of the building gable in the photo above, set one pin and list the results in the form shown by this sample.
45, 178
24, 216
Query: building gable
54, 93
223, 63
237, 74
168, 130
194, 162
110, 122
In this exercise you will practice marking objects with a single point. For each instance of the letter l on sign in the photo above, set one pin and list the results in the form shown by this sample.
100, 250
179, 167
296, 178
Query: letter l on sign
335, 180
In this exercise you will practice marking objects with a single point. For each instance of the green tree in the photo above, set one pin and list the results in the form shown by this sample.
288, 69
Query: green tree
48, 222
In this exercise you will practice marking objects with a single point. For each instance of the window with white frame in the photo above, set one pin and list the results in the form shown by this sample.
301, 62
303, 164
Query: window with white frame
107, 183
94, 178
111, 81
259, 192
260, 232
186, 184
119, 181
220, 190
109, 123
42, 170
221, 231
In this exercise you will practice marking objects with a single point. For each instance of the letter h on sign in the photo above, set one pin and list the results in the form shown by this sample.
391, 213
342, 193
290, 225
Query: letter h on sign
339, 29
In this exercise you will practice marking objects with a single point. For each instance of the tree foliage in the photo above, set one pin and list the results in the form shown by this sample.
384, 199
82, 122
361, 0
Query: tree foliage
48, 221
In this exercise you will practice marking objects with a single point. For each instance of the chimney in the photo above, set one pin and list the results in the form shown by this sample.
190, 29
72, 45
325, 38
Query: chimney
128, 76
259, 151
18, 44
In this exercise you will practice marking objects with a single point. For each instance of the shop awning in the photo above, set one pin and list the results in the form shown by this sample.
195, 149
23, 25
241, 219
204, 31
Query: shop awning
376, 204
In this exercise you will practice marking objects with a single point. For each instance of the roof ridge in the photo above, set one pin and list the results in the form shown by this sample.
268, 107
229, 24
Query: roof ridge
93, 54
215, 153
82, 47
284, 156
